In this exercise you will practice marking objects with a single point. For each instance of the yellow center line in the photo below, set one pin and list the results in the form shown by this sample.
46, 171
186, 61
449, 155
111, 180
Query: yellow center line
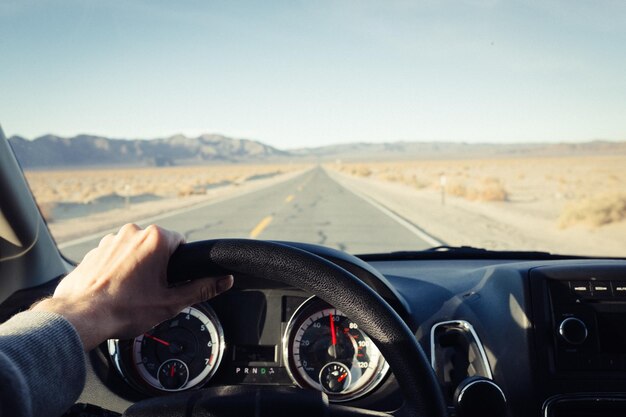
260, 227
289, 198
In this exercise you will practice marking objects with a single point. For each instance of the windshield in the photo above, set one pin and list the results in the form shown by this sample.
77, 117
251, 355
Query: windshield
366, 126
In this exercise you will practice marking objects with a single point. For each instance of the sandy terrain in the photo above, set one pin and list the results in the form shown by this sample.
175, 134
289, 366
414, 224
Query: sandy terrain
86, 185
570, 205
561, 205
80, 202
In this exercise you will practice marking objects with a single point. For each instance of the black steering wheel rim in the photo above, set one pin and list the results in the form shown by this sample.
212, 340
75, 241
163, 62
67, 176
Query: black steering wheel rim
333, 284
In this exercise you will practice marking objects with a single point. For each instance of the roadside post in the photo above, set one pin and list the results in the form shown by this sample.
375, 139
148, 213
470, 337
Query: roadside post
127, 196
442, 186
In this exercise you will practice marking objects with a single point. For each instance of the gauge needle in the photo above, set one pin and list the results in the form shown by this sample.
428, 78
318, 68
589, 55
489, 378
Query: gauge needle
333, 334
156, 339
342, 377
172, 370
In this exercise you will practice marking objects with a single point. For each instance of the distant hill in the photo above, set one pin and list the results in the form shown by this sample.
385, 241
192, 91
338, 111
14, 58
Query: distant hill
443, 150
85, 150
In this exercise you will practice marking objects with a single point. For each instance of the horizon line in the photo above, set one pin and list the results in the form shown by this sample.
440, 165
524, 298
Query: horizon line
364, 142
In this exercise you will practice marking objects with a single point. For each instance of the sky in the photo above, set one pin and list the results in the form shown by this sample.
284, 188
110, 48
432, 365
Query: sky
309, 73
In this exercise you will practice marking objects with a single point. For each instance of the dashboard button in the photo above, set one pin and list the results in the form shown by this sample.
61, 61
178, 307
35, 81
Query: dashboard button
619, 288
601, 289
580, 288
573, 330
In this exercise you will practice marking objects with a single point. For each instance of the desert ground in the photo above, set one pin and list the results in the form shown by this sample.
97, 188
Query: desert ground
86, 185
567, 205
570, 204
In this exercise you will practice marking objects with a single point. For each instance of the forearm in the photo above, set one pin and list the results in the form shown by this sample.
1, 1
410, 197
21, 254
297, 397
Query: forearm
42, 365
82, 316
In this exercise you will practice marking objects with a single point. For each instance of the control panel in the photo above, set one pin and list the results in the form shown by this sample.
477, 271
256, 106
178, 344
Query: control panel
589, 324
579, 335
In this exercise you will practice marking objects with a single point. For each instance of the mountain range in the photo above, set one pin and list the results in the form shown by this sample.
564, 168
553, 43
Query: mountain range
52, 151
86, 150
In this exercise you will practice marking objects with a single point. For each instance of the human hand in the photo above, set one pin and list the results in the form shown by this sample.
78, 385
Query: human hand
120, 288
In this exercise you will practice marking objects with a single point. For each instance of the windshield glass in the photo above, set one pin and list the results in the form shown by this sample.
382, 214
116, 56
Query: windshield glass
362, 125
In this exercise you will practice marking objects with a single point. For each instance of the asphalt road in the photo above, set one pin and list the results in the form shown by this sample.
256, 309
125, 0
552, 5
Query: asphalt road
309, 208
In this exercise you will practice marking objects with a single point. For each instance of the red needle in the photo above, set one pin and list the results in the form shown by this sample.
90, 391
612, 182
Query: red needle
342, 377
332, 330
172, 371
156, 339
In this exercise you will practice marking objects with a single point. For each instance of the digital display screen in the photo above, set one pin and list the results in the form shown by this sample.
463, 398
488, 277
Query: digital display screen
254, 353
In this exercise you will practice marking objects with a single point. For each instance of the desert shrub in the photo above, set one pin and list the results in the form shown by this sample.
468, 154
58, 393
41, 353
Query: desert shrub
416, 182
595, 211
456, 189
361, 171
185, 190
489, 189
392, 176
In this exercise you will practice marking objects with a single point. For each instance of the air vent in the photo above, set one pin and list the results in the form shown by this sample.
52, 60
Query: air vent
456, 353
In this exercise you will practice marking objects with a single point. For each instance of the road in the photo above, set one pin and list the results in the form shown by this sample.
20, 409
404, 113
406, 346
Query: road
312, 207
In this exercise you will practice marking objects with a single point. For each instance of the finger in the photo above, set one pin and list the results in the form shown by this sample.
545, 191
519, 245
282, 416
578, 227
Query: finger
128, 229
204, 289
170, 238
106, 239
105, 244
175, 239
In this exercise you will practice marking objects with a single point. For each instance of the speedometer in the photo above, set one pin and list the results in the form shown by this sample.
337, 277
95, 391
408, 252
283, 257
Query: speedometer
179, 354
327, 351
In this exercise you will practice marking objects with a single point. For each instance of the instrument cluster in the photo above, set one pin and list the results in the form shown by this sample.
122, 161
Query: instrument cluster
317, 347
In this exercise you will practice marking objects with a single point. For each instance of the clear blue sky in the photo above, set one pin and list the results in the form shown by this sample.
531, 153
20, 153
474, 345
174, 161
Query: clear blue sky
306, 73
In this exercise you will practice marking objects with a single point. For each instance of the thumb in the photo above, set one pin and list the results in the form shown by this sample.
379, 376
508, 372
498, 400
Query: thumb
204, 289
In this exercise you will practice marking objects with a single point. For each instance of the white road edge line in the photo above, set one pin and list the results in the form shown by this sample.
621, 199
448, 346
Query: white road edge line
407, 224
153, 219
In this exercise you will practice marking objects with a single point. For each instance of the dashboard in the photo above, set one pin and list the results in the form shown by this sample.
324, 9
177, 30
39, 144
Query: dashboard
528, 326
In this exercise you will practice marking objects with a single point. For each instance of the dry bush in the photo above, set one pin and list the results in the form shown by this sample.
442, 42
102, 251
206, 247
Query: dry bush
362, 171
456, 189
186, 190
489, 189
600, 210
392, 177
415, 182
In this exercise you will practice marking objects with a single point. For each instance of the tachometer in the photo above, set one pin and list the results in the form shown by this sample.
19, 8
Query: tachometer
176, 355
327, 351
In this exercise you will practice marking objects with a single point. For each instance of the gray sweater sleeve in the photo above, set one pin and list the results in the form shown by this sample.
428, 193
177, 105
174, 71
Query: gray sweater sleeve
42, 365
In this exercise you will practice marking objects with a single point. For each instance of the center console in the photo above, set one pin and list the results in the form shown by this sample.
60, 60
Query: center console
589, 318
580, 331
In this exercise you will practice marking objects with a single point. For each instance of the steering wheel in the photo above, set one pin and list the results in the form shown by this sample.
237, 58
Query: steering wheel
331, 283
